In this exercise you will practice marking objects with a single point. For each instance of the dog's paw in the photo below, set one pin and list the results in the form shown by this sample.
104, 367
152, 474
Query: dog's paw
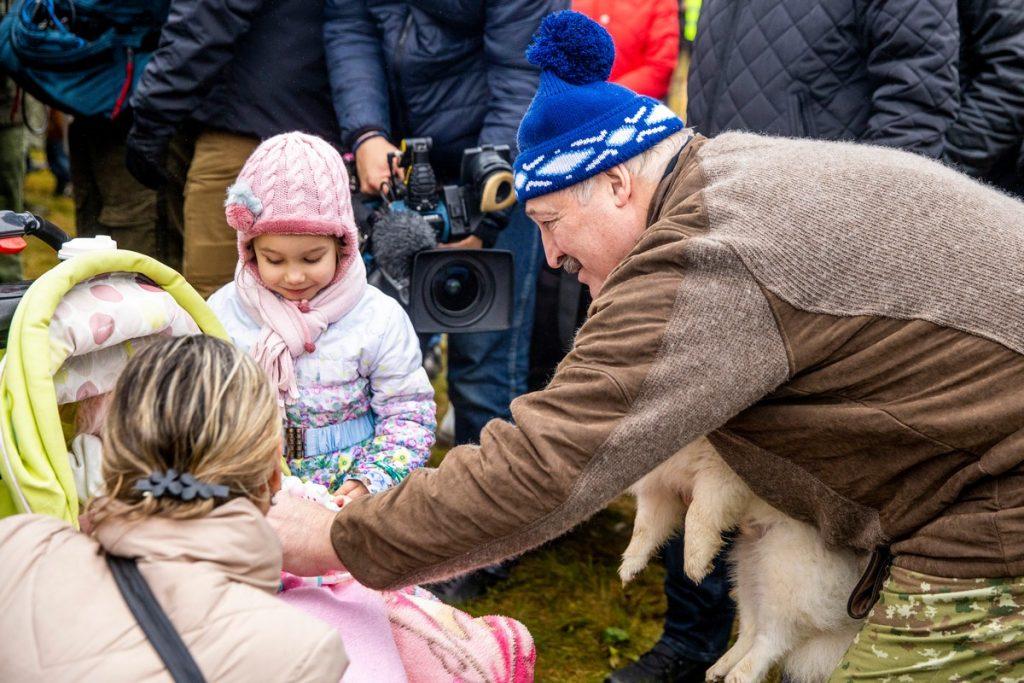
736, 676
630, 567
717, 672
696, 568
744, 672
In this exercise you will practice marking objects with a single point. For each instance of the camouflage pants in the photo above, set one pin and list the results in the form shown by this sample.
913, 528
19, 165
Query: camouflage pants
926, 628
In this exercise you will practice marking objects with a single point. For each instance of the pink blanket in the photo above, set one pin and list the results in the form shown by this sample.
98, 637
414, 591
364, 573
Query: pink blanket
410, 635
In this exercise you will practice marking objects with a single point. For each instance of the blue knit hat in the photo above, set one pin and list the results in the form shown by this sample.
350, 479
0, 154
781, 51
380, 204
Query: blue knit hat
578, 124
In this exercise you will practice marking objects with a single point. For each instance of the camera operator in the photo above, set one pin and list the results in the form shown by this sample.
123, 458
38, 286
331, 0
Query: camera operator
452, 70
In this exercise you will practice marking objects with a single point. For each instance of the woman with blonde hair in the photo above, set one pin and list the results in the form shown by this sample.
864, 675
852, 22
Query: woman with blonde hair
192, 444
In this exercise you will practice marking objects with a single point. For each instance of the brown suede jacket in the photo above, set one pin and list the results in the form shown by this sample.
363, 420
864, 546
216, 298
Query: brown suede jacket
845, 322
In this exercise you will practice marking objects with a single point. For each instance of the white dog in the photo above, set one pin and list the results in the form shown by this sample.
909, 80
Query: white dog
790, 589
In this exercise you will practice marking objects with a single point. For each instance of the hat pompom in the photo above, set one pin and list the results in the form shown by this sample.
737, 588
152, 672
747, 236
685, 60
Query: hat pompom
239, 217
574, 47
242, 207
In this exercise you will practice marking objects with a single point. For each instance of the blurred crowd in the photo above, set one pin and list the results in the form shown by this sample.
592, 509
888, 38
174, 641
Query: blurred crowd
149, 158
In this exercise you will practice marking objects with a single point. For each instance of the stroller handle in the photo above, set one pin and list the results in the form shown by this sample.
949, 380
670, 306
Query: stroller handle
17, 224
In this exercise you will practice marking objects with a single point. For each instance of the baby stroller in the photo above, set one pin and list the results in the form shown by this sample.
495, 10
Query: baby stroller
69, 337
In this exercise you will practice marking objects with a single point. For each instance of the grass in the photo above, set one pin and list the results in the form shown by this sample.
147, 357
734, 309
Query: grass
569, 595
39, 199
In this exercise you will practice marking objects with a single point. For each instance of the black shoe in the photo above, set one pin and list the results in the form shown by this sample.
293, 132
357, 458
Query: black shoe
468, 586
660, 664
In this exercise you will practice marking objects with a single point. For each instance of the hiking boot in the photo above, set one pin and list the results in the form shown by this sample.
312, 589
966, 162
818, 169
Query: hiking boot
660, 664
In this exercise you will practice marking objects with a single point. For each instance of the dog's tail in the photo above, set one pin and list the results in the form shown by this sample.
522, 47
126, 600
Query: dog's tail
813, 660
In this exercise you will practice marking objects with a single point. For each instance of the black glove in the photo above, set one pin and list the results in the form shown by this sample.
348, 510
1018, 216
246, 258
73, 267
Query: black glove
146, 152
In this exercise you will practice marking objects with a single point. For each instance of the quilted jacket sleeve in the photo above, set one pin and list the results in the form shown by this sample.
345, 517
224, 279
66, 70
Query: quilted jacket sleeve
403, 407
511, 80
661, 52
990, 125
196, 43
913, 48
355, 65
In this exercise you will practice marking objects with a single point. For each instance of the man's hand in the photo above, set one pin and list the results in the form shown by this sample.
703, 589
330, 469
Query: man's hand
304, 528
372, 164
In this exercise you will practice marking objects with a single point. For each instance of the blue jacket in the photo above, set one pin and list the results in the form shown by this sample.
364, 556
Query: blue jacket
453, 70
251, 67
879, 71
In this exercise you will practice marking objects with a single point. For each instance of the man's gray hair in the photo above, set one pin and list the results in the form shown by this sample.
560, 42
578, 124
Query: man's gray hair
649, 164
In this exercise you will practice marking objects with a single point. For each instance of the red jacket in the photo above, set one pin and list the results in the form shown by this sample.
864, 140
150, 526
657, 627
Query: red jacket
646, 35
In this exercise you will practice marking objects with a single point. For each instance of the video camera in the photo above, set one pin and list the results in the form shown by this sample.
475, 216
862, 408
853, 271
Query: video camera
453, 211
443, 290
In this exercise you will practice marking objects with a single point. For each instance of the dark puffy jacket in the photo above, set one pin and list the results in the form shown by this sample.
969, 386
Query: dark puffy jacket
252, 67
880, 71
986, 138
453, 70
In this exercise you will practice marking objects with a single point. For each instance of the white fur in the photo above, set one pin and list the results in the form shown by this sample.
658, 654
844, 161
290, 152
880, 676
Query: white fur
790, 589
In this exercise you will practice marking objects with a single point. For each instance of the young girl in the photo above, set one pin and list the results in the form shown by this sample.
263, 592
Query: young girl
359, 411
358, 408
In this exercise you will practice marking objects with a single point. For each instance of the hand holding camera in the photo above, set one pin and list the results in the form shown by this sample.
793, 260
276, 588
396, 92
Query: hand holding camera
375, 164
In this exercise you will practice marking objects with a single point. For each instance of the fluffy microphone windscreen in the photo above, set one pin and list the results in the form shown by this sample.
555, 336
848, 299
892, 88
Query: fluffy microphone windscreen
397, 237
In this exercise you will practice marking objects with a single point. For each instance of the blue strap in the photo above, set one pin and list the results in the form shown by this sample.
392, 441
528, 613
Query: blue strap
338, 437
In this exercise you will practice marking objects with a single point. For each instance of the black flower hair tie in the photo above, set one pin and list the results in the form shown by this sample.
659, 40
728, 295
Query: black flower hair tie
182, 486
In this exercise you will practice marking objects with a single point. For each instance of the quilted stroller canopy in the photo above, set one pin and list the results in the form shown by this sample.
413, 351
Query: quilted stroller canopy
71, 334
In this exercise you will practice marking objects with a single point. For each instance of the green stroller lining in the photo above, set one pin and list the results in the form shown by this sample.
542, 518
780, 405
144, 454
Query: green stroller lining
35, 473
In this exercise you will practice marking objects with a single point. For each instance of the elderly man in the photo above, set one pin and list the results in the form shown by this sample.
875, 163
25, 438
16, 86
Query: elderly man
842, 321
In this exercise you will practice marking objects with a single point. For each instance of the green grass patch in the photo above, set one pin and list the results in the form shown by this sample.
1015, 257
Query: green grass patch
40, 200
569, 595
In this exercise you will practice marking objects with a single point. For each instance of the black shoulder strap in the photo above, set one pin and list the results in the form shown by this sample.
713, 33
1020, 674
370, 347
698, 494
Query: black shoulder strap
154, 622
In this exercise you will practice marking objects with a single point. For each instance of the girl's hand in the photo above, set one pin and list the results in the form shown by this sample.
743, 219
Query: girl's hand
349, 491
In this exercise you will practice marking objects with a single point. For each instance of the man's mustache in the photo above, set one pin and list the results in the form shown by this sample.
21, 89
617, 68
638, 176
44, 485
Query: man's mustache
571, 265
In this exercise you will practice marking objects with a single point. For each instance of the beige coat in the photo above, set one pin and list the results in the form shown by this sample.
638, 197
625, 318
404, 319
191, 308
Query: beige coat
62, 617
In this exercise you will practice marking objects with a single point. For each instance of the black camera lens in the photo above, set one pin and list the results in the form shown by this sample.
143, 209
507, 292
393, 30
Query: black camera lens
455, 288
461, 290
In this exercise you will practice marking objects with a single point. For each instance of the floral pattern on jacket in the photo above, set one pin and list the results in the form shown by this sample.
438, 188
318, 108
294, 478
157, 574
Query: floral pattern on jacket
366, 364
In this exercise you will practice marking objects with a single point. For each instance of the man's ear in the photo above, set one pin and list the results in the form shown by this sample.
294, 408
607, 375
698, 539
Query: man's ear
621, 184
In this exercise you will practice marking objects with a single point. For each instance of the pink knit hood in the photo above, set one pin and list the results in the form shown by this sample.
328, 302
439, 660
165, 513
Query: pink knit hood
293, 184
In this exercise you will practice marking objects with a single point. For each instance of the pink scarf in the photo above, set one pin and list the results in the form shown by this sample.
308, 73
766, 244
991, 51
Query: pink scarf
290, 328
